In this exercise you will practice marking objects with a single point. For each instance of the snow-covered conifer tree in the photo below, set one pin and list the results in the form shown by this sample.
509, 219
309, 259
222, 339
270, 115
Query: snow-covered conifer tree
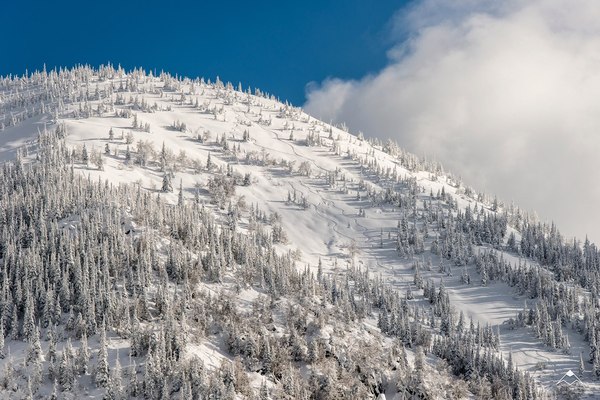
102, 376
167, 186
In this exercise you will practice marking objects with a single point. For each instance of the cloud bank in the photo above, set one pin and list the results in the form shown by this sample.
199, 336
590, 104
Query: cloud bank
505, 94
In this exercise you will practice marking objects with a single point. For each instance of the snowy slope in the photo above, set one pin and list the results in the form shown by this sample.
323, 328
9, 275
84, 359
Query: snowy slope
323, 181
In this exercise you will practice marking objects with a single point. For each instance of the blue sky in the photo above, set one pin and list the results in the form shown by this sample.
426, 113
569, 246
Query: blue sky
479, 85
278, 46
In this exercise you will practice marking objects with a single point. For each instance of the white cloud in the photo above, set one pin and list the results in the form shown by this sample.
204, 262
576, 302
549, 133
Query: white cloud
505, 94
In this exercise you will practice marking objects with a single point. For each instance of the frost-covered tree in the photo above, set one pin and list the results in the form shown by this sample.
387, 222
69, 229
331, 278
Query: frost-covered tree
84, 155
221, 189
115, 388
163, 158
304, 168
66, 376
167, 185
102, 373
127, 155
34, 349
83, 356
180, 199
2, 352
209, 163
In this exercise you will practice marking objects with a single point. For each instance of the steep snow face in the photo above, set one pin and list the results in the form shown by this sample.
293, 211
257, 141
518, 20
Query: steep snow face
336, 196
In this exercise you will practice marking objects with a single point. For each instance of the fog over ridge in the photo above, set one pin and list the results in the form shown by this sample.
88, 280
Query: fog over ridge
507, 95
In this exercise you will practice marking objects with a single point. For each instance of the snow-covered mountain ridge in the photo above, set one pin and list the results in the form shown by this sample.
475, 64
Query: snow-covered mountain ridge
330, 203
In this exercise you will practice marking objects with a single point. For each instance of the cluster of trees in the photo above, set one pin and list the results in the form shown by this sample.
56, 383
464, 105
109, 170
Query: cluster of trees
294, 198
54, 92
139, 125
457, 235
69, 288
97, 278
470, 351
179, 126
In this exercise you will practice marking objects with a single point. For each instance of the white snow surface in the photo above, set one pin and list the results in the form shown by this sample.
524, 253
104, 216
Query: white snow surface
330, 224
